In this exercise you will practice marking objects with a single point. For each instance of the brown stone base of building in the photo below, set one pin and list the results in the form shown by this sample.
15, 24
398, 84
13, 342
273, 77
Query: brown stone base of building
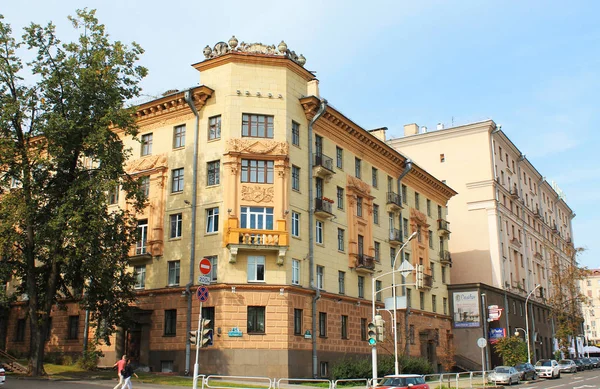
279, 319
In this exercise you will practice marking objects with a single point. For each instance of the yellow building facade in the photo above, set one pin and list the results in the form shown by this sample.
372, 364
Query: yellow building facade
296, 207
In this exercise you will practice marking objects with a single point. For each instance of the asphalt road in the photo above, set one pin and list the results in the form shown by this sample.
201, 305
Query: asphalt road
589, 379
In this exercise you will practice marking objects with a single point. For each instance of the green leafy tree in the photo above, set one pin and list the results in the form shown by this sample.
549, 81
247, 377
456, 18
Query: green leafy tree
512, 350
59, 157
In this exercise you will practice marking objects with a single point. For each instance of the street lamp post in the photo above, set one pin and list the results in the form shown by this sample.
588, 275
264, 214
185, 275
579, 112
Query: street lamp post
527, 322
403, 269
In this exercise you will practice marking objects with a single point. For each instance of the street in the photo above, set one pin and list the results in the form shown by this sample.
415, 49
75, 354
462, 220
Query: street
581, 380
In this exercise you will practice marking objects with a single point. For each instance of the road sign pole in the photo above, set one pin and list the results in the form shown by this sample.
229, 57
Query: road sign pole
198, 341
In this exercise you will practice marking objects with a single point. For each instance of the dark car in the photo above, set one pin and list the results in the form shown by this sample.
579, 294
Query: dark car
595, 361
588, 363
579, 364
527, 371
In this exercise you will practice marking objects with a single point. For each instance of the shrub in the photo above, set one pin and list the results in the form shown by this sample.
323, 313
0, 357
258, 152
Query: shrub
66, 360
361, 367
90, 357
412, 365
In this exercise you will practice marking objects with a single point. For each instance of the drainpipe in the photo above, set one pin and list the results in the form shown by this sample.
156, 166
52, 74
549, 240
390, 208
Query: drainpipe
407, 168
311, 236
188, 324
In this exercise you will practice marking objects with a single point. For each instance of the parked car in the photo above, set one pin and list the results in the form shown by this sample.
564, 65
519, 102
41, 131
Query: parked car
579, 364
504, 375
403, 381
527, 371
587, 363
567, 366
547, 368
2, 375
596, 361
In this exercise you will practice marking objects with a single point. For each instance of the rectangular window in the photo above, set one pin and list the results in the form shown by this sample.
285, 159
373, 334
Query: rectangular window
319, 232
295, 133
408, 297
295, 224
295, 178
295, 272
341, 239
212, 220
173, 272
297, 321
140, 276
322, 324
390, 184
179, 136
342, 282
145, 185
443, 274
214, 128
430, 237
256, 268
363, 328
257, 218
361, 287
375, 214
422, 300
146, 144
340, 198
377, 247
357, 169
213, 171
374, 177
257, 126
177, 180
359, 206
320, 275
170, 327
344, 325
432, 268
417, 201
256, 320
404, 194
440, 212
257, 171
411, 334
445, 306
339, 157
21, 330
113, 195
213, 268
142, 238
378, 290
73, 327
428, 207
324, 369
392, 255
176, 224
405, 227
433, 303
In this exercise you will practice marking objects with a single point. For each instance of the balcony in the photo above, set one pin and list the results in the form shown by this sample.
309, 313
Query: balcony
394, 200
322, 166
323, 207
445, 258
365, 263
395, 236
515, 242
538, 255
424, 281
443, 227
555, 228
245, 239
538, 213
514, 192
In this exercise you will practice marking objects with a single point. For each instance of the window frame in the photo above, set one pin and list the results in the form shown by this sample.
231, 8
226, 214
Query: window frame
175, 225
170, 322
295, 134
179, 136
341, 282
295, 178
320, 277
344, 327
357, 167
361, 287
340, 197
254, 315
213, 173
319, 232
257, 265
214, 127
146, 143
73, 327
295, 224
298, 321
295, 272
268, 127
252, 174
339, 158
140, 276
374, 177
322, 324
173, 273
212, 220
177, 180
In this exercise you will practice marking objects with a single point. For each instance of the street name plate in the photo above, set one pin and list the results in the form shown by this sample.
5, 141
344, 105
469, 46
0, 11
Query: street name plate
204, 280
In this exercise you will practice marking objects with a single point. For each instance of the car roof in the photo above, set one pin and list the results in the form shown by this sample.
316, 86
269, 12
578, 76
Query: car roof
403, 376
506, 367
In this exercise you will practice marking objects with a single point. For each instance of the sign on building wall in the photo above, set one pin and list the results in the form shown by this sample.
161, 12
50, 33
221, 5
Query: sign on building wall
495, 334
466, 309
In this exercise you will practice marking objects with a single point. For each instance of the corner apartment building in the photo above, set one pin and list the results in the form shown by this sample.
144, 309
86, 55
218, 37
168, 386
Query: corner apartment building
297, 208
510, 227
590, 287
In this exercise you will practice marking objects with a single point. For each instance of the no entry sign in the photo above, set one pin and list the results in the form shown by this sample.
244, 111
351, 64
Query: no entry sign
205, 266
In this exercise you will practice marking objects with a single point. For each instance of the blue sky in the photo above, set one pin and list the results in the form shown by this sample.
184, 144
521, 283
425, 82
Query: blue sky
532, 66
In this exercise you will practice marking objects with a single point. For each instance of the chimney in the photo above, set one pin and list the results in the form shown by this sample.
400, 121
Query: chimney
440, 126
379, 133
423, 129
411, 129
312, 88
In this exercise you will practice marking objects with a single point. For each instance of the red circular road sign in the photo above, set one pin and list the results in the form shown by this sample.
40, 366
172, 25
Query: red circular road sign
205, 266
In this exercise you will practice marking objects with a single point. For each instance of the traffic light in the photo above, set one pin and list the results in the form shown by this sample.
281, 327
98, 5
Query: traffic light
420, 271
372, 334
380, 328
193, 337
206, 333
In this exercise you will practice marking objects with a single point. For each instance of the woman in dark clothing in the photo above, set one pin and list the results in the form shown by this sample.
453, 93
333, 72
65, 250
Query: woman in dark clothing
127, 373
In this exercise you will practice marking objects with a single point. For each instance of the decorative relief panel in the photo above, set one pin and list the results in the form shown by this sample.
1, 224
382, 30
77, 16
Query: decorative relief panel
359, 185
253, 146
222, 48
147, 163
419, 217
257, 194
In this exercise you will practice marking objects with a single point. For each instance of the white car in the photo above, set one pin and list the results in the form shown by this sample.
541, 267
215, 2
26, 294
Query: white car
2, 376
547, 368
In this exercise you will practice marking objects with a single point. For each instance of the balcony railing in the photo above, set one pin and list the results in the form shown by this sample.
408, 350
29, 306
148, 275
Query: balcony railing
538, 213
445, 257
394, 200
514, 192
365, 262
323, 207
443, 226
427, 281
324, 161
395, 236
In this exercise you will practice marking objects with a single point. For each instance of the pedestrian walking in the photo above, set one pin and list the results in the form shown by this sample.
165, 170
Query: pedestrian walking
127, 373
120, 365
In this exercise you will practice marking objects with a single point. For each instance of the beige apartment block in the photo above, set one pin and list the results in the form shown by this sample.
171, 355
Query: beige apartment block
296, 223
590, 287
509, 224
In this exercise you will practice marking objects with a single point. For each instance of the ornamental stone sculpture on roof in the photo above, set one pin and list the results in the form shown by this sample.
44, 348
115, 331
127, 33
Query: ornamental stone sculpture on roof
222, 48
